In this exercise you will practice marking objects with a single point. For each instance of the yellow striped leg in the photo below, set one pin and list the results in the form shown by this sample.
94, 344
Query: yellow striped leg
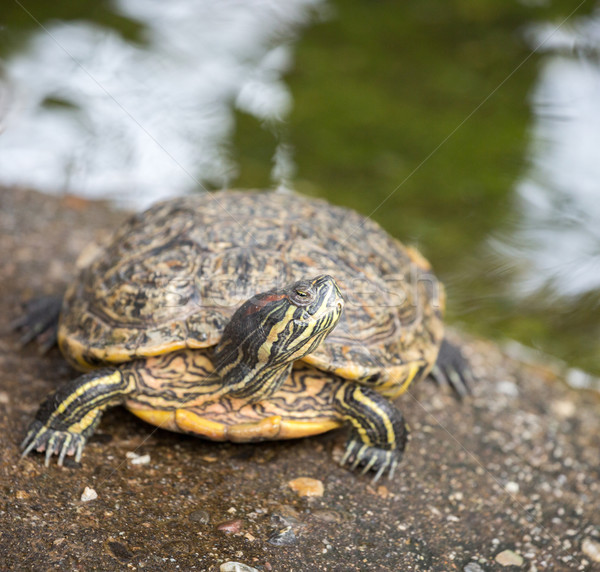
378, 433
69, 416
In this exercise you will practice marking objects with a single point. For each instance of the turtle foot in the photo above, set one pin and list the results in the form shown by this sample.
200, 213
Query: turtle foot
453, 370
39, 321
62, 443
369, 458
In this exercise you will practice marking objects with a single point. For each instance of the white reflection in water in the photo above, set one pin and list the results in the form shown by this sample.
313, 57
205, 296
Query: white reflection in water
150, 121
559, 240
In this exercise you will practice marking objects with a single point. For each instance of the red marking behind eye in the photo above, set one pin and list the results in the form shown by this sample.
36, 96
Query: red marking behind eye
262, 302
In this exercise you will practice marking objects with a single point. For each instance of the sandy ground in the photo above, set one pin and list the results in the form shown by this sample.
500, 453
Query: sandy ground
508, 479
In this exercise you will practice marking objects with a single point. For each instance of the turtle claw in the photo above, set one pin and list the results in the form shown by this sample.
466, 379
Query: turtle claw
348, 452
379, 473
453, 370
50, 449
31, 439
369, 465
63, 452
357, 458
62, 443
392, 469
371, 459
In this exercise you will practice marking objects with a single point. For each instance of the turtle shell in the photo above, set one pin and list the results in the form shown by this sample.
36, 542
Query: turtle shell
172, 276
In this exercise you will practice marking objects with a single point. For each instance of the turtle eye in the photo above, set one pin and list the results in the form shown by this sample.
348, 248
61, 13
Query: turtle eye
302, 295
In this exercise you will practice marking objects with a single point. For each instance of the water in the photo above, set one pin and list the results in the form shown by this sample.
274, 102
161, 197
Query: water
559, 196
472, 131
102, 115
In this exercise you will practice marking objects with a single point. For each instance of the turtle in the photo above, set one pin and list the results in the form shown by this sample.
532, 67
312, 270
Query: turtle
246, 316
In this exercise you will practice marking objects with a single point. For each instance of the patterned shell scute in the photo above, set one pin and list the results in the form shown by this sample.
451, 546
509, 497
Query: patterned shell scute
173, 275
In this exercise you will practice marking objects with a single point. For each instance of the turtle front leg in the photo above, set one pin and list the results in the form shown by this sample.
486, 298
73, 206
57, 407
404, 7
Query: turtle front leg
69, 416
378, 433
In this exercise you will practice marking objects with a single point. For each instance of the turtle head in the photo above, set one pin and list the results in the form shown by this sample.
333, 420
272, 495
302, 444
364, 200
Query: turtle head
273, 329
295, 320
288, 323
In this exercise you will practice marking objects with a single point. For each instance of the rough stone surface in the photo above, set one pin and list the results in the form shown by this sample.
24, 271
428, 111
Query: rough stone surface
446, 509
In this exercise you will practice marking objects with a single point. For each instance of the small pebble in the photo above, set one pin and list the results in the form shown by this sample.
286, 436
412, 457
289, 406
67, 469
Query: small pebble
88, 494
285, 511
509, 558
22, 495
231, 526
285, 518
307, 487
201, 516
120, 550
283, 537
327, 515
563, 408
136, 459
383, 491
236, 567
71, 463
591, 548
175, 548
512, 487
507, 388
472, 567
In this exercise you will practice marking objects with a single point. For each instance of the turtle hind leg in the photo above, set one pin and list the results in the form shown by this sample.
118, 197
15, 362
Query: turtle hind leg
452, 369
69, 416
378, 432
39, 321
